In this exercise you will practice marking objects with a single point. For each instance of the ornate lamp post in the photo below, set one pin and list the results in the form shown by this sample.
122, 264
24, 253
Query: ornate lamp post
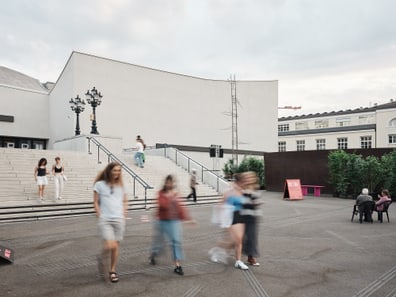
94, 98
78, 106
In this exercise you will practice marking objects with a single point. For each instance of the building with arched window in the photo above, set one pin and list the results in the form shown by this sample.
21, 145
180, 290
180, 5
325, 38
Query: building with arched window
370, 127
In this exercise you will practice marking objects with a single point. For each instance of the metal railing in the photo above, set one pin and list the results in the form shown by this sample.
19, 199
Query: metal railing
111, 157
206, 175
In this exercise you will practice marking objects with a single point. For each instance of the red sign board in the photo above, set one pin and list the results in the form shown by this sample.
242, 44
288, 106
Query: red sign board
292, 190
6, 253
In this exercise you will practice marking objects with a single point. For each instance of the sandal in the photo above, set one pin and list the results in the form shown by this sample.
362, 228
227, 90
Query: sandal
113, 277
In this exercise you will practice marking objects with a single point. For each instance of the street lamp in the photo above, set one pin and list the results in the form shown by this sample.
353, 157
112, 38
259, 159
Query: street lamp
94, 98
78, 106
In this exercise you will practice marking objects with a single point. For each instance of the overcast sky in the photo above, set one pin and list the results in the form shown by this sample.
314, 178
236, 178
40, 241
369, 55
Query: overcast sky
327, 54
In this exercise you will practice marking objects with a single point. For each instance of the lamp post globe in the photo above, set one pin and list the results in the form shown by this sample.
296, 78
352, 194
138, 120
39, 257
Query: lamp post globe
77, 105
94, 98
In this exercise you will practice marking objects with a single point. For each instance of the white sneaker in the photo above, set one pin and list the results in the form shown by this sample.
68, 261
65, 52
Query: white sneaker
240, 265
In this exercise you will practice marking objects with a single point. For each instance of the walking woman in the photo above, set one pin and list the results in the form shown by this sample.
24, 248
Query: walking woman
235, 198
40, 176
57, 171
110, 202
251, 214
170, 213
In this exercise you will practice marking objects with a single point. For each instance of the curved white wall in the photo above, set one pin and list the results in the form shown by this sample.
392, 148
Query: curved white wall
163, 107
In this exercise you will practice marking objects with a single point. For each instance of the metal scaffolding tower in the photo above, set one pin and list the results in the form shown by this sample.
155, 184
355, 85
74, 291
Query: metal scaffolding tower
234, 117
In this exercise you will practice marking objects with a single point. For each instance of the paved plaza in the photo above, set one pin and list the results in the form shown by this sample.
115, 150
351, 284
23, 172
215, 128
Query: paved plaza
309, 248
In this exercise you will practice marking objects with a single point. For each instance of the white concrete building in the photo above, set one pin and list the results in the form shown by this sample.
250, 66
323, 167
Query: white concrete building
160, 106
370, 127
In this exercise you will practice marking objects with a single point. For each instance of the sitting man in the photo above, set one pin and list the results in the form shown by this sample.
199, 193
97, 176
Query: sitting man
362, 198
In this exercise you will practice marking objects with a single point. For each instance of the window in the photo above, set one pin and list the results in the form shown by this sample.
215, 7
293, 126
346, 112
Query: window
342, 122
392, 123
321, 124
283, 127
301, 125
392, 139
282, 146
320, 144
366, 119
24, 145
365, 142
300, 145
342, 143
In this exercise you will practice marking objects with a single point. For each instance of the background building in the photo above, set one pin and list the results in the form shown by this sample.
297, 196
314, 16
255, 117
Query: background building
161, 106
370, 127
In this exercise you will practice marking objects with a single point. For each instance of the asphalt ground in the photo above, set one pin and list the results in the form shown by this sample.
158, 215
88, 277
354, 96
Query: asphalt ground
308, 248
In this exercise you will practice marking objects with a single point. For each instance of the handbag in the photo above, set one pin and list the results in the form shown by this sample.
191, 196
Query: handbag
64, 177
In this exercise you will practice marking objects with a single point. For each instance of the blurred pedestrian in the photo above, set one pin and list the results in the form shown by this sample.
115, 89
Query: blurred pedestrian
235, 198
193, 184
170, 214
58, 173
111, 206
40, 176
251, 213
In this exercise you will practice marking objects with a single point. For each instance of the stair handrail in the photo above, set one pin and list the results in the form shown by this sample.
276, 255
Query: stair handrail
219, 179
111, 157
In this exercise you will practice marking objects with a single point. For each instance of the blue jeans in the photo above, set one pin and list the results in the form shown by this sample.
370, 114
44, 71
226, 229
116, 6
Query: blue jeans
139, 159
171, 230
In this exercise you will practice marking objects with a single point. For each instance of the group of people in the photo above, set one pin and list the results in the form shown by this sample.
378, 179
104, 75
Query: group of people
378, 205
57, 171
111, 205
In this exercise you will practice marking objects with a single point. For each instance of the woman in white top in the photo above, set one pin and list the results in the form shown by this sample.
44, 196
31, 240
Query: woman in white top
111, 206
57, 171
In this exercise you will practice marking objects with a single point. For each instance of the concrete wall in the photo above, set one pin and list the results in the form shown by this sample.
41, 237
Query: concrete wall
30, 111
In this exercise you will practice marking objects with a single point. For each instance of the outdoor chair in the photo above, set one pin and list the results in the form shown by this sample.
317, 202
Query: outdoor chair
384, 210
365, 210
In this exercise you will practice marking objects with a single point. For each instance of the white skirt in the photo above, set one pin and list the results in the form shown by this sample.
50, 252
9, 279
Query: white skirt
42, 181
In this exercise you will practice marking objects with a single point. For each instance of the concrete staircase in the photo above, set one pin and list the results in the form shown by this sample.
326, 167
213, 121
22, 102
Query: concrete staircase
19, 193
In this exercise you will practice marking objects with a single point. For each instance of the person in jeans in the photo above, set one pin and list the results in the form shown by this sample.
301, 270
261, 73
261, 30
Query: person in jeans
170, 214
111, 206
57, 171
139, 155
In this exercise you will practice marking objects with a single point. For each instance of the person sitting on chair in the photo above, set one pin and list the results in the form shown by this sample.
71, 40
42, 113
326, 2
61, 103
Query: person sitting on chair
384, 197
362, 198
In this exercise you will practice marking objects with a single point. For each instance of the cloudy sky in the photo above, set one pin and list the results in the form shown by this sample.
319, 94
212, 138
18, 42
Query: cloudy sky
327, 54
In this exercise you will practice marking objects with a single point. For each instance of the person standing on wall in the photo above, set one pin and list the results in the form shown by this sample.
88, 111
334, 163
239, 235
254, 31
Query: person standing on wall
58, 173
40, 176
111, 206
193, 184
139, 155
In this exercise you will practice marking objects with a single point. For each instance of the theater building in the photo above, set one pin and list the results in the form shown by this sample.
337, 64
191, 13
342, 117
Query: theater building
161, 106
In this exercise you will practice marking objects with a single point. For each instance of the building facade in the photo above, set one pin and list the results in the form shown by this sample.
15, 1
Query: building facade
161, 106
371, 127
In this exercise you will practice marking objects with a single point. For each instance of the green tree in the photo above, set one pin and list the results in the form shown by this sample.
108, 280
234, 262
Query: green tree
337, 164
353, 174
247, 164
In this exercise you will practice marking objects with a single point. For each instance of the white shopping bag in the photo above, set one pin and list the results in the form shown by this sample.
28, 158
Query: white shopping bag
222, 215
